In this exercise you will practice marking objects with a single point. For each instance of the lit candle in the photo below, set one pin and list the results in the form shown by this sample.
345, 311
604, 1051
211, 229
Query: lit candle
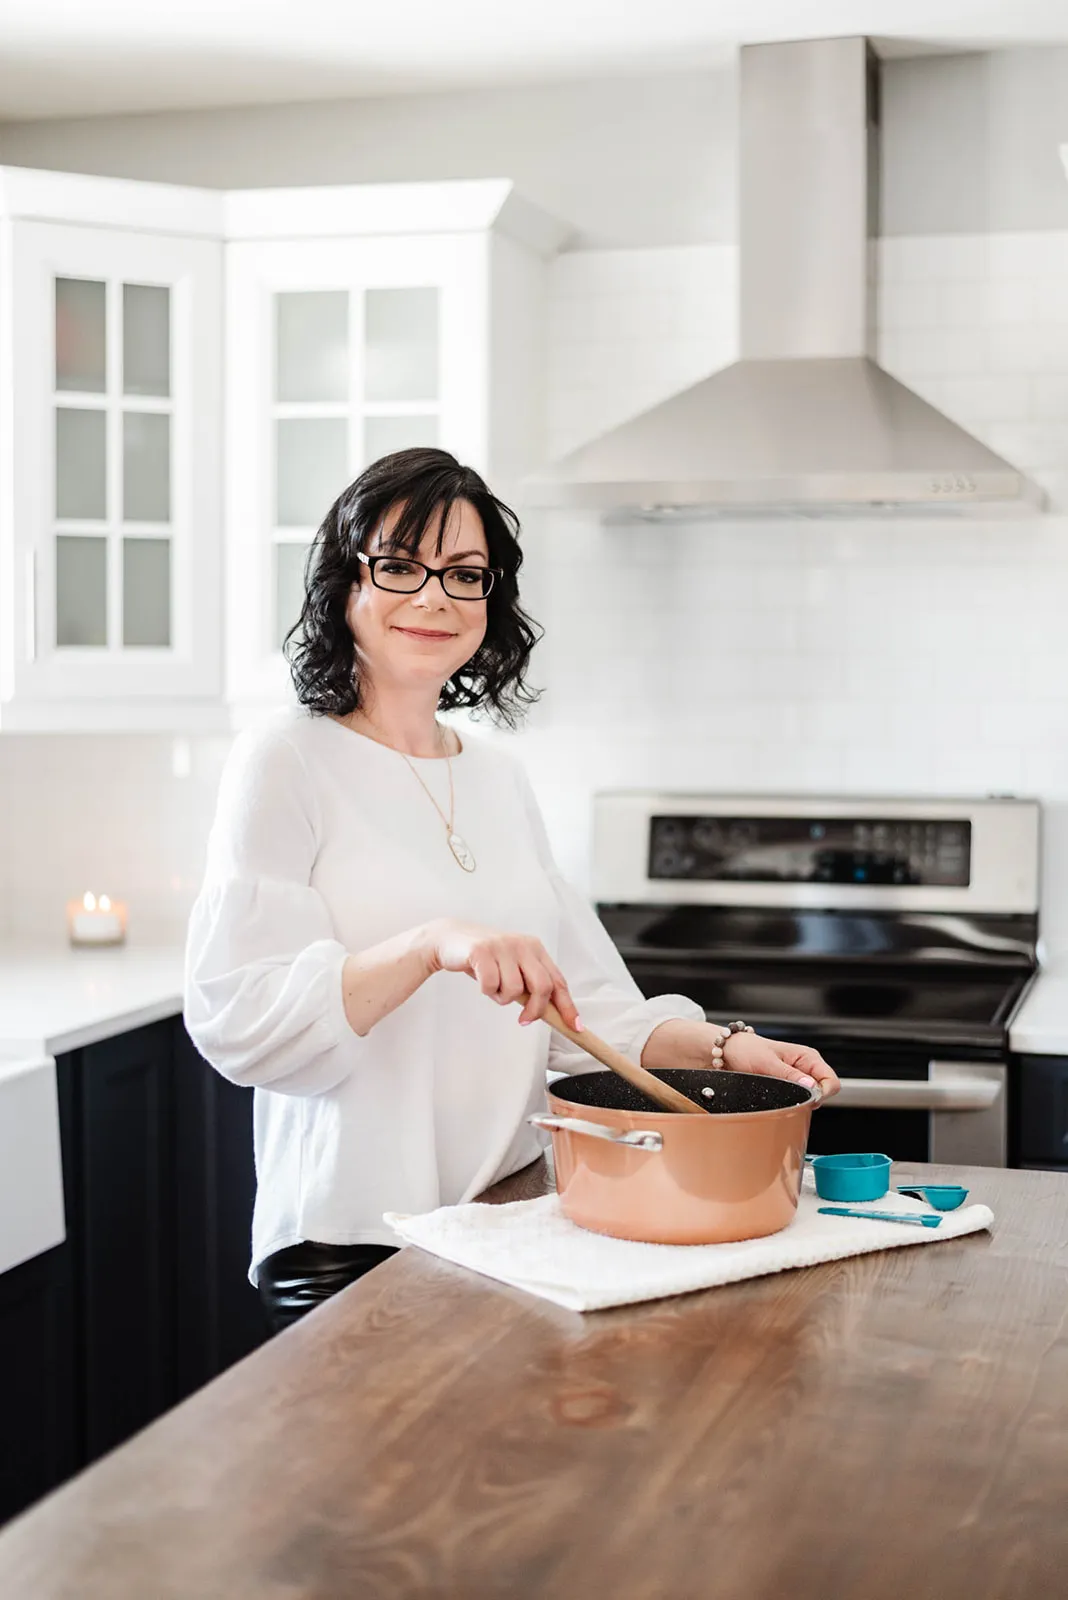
96, 920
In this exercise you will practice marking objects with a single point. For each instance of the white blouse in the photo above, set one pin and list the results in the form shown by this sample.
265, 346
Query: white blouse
323, 844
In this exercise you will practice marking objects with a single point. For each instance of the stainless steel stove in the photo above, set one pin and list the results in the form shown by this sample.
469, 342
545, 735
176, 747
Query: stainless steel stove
896, 936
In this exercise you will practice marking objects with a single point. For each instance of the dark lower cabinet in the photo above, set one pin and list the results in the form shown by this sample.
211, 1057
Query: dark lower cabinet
126, 1226
39, 1436
148, 1298
1041, 1112
217, 1313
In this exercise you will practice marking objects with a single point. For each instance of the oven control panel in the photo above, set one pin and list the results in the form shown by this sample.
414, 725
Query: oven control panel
839, 850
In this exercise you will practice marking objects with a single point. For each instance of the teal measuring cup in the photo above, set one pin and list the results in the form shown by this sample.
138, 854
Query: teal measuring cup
850, 1178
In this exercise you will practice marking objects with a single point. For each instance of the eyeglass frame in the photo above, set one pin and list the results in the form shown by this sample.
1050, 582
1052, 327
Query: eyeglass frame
430, 572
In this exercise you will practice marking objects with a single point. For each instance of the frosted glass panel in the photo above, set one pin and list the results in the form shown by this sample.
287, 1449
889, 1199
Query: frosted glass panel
311, 468
289, 562
146, 466
81, 591
146, 592
383, 435
312, 345
81, 346
401, 344
146, 339
81, 463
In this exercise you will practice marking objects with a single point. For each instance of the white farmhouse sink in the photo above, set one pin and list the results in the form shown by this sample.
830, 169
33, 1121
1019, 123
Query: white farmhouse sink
31, 1171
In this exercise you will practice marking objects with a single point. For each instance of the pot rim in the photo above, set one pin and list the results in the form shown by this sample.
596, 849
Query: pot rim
657, 1119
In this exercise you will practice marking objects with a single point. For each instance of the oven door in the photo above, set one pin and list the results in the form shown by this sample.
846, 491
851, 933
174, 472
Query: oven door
916, 1109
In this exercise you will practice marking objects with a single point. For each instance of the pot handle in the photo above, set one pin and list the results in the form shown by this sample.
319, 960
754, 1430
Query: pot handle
637, 1140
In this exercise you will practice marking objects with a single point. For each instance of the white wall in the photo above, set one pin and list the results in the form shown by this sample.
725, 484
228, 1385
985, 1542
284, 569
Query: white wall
970, 142
969, 146
900, 657
636, 161
83, 811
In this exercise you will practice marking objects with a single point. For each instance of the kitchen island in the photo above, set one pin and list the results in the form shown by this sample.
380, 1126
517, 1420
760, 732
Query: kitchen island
892, 1426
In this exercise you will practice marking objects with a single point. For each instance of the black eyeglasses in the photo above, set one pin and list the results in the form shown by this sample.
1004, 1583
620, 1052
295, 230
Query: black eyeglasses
402, 575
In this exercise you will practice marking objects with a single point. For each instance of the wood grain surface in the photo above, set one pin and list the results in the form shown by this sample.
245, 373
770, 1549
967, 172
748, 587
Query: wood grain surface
891, 1427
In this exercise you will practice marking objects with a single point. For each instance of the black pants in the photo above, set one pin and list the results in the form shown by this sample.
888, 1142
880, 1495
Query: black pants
293, 1282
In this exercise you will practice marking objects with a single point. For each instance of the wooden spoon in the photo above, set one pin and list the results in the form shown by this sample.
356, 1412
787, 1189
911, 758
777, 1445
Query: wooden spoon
666, 1097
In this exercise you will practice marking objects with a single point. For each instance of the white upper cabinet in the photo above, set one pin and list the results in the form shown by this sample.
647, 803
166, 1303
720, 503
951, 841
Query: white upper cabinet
111, 463
340, 323
360, 321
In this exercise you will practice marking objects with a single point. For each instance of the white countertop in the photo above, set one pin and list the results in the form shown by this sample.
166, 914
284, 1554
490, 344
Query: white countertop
31, 1170
55, 998
1040, 1027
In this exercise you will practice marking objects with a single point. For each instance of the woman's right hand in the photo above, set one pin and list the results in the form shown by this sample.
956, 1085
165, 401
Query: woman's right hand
505, 966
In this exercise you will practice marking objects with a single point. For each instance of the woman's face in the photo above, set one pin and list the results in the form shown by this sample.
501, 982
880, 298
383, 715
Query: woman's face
406, 640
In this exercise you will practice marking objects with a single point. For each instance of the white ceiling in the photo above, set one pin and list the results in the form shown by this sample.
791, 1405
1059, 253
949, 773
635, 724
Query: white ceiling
89, 57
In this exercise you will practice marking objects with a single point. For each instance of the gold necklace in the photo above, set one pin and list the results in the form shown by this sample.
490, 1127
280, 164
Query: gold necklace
461, 850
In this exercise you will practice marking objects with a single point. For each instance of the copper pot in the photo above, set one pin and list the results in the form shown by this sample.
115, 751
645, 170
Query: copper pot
672, 1179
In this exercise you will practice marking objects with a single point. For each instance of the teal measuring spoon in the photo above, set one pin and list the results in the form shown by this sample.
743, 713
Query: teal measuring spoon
915, 1221
943, 1196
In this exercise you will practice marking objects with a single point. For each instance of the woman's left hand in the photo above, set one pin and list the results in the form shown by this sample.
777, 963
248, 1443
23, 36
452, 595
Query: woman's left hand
751, 1052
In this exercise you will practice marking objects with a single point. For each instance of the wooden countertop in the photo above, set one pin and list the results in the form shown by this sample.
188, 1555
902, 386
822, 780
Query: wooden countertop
891, 1426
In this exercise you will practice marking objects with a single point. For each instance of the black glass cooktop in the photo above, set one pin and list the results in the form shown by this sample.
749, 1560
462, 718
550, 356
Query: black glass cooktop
837, 997
936, 978
776, 934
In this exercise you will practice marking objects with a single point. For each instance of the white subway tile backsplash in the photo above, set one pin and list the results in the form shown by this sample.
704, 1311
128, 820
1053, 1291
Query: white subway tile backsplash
1054, 485
1049, 297
911, 304
979, 769
898, 656
1010, 300
105, 814
945, 352
1033, 722
962, 303
1045, 773
924, 655
1026, 347
1029, 445
986, 397
937, 257
871, 765
1026, 255
1047, 397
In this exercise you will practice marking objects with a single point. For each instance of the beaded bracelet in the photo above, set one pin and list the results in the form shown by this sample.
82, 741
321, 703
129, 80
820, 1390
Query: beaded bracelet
721, 1039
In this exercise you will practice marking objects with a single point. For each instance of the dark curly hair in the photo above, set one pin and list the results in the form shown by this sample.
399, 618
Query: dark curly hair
426, 483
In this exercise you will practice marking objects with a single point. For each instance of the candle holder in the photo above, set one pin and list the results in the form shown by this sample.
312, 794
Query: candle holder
96, 920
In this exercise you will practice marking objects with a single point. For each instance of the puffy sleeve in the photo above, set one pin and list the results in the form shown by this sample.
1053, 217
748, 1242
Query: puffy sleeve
608, 999
263, 989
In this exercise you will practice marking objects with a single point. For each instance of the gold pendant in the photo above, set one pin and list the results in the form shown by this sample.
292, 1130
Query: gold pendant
461, 851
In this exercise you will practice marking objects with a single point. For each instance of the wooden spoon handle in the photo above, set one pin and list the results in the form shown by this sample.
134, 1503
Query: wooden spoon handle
662, 1093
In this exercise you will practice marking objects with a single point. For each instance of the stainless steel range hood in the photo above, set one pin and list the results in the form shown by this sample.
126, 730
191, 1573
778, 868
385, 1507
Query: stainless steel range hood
805, 422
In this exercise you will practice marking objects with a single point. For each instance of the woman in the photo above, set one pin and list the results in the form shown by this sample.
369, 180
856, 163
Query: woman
366, 864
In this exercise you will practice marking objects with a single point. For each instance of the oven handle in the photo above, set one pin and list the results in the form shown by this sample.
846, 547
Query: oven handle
951, 1090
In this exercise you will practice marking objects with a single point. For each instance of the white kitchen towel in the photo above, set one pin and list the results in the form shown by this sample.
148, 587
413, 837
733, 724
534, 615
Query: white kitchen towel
533, 1246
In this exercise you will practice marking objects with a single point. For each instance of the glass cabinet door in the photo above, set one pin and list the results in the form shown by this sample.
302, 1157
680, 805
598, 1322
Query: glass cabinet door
401, 370
112, 490
356, 376
339, 350
117, 361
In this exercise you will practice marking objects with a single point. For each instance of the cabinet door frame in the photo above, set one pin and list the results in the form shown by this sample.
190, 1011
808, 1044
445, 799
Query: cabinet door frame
457, 265
33, 669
